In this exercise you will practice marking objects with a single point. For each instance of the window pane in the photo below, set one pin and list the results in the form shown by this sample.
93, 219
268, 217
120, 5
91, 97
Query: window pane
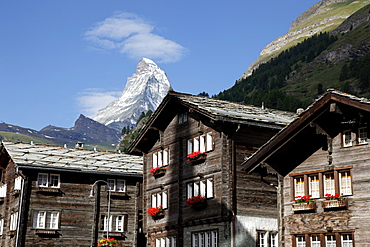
273, 239
261, 242
42, 180
298, 186
164, 200
154, 201
54, 180
155, 160
314, 188
190, 146
330, 241
347, 140
160, 158
196, 143
203, 188
196, 189
40, 219
190, 190
362, 135
202, 144
165, 157
315, 241
345, 183
121, 185
209, 142
347, 240
111, 184
209, 188
301, 242
329, 185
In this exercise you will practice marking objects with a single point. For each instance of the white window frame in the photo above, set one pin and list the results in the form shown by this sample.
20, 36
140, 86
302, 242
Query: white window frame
347, 138
160, 198
116, 185
299, 186
204, 238
116, 222
345, 182
314, 185
13, 221
46, 180
165, 242
330, 241
46, 219
202, 143
362, 135
301, 241
347, 240
202, 187
329, 183
161, 158
315, 240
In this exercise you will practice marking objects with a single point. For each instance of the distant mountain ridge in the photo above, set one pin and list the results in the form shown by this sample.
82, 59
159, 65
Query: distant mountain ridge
144, 91
324, 16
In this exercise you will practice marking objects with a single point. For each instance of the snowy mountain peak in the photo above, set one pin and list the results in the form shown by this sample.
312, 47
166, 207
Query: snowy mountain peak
144, 91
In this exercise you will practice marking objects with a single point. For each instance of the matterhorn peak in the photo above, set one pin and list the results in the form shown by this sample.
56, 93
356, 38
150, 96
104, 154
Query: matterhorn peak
144, 91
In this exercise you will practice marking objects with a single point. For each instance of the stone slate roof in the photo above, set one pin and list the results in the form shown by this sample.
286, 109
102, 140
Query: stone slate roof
230, 111
79, 160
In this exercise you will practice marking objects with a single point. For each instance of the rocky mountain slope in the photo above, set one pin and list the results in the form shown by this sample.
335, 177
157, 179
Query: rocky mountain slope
144, 91
324, 16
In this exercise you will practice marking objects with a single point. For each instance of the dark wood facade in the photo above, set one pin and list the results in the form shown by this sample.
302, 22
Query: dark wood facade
52, 203
237, 204
324, 152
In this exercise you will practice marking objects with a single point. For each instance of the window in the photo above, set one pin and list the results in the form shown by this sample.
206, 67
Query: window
347, 138
118, 185
165, 242
273, 239
266, 239
339, 181
46, 219
329, 183
314, 186
299, 186
13, 221
3, 189
362, 135
261, 239
159, 199
301, 241
182, 117
48, 180
202, 143
315, 241
345, 182
1, 226
347, 240
350, 138
204, 239
161, 158
18, 183
202, 187
330, 241
116, 223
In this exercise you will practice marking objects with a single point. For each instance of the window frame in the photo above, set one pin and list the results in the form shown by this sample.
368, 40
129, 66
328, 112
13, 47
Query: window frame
47, 219
13, 221
104, 222
205, 238
168, 241
114, 182
48, 177
159, 199
204, 187
161, 158
322, 239
202, 143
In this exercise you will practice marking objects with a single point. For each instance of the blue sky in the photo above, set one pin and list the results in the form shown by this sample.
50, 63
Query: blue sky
59, 59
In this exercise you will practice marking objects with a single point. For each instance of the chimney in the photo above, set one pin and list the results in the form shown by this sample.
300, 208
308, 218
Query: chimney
79, 145
263, 106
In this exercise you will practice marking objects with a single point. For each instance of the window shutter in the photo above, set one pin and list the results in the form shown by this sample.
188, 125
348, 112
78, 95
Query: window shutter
190, 190
196, 143
190, 146
160, 158
209, 188
164, 200
18, 183
154, 201
165, 157
202, 143
196, 189
203, 188
159, 199
155, 160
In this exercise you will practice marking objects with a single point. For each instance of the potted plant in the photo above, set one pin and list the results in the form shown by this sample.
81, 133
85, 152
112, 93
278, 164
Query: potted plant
156, 212
334, 201
196, 202
196, 156
107, 242
158, 171
303, 203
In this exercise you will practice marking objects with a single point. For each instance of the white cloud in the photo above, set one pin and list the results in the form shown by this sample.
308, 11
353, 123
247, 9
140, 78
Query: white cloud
132, 36
94, 99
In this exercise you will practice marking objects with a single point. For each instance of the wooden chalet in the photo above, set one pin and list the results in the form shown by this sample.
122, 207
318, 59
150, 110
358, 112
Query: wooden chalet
44, 196
194, 190
323, 160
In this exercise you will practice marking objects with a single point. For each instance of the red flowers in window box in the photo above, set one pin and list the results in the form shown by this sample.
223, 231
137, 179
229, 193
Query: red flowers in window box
303, 199
159, 170
154, 212
337, 197
198, 201
196, 156
107, 242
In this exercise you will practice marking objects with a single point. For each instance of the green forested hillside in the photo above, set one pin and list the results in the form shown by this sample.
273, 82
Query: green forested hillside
301, 73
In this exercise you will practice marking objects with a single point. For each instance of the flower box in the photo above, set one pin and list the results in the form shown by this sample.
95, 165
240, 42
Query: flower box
196, 157
305, 206
156, 213
342, 203
158, 171
107, 242
197, 202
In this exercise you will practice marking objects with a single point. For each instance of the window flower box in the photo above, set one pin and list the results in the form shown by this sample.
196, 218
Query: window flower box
107, 242
196, 157
328, 204
197, 202
156, 213
158, 171
307, 206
